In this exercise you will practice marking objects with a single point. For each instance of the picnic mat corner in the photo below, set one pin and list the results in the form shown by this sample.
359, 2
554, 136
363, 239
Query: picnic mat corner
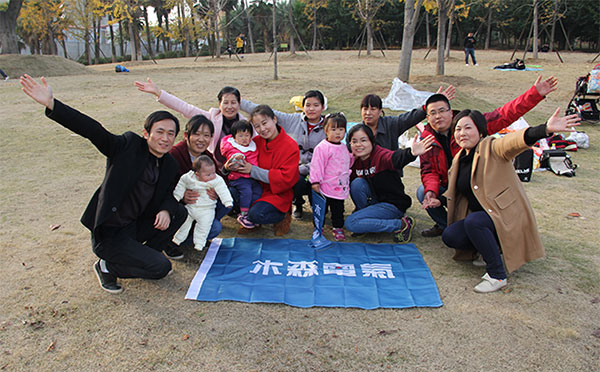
289, 271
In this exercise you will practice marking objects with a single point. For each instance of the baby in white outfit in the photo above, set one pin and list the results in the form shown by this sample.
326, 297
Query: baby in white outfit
201, 178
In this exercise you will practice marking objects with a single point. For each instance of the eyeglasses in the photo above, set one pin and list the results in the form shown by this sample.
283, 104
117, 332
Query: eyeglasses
440, 111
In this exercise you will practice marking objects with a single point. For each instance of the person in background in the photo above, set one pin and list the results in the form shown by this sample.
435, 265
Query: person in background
470, 49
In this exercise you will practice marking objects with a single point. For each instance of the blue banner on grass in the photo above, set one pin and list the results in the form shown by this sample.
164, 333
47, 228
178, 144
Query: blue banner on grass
289, 271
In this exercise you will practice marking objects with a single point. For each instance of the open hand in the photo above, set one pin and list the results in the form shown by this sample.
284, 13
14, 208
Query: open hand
422, 146
547, 86
148, 87
449, 92
562, 123
40, 94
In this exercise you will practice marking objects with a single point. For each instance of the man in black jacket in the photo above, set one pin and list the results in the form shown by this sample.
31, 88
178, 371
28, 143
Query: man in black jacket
133, 214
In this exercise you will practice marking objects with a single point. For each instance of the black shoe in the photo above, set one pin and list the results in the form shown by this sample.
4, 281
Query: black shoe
173, 252
433, 231
297, 213
107, 281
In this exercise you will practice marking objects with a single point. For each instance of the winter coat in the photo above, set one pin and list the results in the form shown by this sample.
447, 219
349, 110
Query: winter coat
330, 168
500, 193
229, 148
434, 165
280, 157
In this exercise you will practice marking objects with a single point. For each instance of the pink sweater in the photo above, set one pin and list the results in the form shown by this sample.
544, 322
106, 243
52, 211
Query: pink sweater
229, 148
187, 110
330, 167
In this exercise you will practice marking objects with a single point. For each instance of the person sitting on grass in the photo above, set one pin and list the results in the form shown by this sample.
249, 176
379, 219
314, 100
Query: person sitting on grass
435, 163
330, 171
488, 210
133, 215
240, 146
376, 187
197, 136
277, 171
202, 178
306, 129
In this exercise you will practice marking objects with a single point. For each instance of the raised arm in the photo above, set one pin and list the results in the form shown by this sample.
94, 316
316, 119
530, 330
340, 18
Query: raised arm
41, 94
169, 100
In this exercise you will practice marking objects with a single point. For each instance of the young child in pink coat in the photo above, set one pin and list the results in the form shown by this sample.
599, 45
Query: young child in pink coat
330, 170
239, 146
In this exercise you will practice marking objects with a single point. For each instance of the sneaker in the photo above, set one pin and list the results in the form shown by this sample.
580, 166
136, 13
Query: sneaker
107, 281
479, 262
338, 234
477, 64
173, 252
404, 234
466, 64
433, 231
297, 213
245, 222
6, 78
490, 284
283, 227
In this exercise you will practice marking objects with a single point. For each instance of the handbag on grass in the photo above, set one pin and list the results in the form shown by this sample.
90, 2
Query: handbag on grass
558, 161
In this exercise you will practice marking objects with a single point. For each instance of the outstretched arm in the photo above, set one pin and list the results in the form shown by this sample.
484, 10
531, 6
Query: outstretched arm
41, 94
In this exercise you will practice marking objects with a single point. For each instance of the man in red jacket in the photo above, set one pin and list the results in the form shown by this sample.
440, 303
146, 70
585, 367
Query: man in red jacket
436, 162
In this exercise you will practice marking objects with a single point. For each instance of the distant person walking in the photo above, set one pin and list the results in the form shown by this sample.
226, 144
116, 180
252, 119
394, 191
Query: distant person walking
239, 44
4, 76
470, 49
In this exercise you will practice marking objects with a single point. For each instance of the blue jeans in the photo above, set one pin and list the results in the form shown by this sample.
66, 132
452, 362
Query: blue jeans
439, 215
470, 52
371, 215
249, 191
263, 213
477, 232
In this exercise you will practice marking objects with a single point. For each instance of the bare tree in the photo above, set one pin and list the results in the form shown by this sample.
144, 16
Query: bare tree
443, 6
449, 33
274, 40
411, 15
250, 37
366, 10
8, 27
535, 29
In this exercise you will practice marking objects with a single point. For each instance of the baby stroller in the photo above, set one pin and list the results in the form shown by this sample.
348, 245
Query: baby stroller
586, 96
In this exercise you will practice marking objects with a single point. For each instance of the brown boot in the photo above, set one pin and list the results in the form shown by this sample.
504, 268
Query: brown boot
283, 227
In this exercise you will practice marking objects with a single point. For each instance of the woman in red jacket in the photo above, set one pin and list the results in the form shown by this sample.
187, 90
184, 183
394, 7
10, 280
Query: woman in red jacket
277, 171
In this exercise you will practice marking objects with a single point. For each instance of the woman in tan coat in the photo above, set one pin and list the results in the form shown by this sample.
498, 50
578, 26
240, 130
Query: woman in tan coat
487, 204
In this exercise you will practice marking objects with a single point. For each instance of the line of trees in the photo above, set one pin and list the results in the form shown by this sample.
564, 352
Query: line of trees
313, 24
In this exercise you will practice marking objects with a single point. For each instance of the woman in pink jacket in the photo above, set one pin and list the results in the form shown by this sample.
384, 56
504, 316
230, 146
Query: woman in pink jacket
222, 117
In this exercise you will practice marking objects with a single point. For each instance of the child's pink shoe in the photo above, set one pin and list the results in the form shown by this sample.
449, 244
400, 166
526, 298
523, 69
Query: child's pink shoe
245, 222
338, 234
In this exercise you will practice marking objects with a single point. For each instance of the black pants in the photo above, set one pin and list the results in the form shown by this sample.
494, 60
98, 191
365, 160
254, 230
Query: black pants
477, 232
301, 188
336, 207
135, 251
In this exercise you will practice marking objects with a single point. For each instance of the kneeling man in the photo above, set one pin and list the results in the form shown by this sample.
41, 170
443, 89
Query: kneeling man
133, 214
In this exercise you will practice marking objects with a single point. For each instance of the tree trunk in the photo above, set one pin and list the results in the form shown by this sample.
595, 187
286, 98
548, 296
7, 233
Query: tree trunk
369, 37
88, 52
121, 47
132, 50
145, 10
535, 29
274, 41
449, 33
217, 36
553, 25
408, 35
426, 30
314, 44
112, 40
291, 18
168, 46
64, 46
489, 29
441, 35
250, 37
8, 27
96, 28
